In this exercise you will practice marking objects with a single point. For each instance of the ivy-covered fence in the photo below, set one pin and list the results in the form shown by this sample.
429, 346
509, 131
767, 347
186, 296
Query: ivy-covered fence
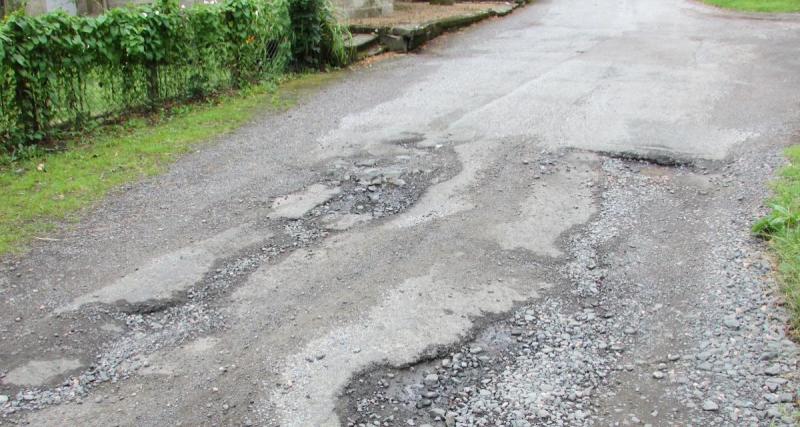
58, 71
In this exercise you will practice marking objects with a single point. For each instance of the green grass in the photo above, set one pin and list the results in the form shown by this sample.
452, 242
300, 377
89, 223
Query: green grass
49, 189
770, 6
782, 227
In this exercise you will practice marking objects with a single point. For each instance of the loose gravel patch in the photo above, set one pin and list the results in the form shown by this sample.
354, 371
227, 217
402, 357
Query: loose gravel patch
665, 317
370, 189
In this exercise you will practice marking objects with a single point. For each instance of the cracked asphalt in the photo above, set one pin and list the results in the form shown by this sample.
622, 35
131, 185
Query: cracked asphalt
541, 220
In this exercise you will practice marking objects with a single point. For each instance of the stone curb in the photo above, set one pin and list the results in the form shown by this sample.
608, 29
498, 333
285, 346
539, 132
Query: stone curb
405, 38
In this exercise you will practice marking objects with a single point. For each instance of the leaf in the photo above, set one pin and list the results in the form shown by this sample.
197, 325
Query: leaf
19, 59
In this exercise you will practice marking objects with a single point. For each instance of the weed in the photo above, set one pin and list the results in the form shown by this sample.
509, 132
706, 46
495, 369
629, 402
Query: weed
782, 227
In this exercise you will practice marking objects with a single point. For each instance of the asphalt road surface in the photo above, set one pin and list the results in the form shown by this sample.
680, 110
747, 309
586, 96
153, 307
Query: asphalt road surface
541, 220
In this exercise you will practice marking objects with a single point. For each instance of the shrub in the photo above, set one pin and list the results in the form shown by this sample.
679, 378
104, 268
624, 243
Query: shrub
58, 71
318, 39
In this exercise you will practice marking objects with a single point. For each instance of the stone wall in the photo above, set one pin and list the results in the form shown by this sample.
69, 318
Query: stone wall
348, 8
364, 8
38, 7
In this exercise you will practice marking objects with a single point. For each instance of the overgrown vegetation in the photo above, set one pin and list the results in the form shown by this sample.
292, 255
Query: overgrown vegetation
60, 72
318, 39
782, 227
50, 187
771, 6
168, 77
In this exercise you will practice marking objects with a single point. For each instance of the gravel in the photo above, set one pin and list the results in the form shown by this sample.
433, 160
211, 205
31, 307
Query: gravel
371, 188
699, 344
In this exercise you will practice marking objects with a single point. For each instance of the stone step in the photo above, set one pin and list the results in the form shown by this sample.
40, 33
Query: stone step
361, 42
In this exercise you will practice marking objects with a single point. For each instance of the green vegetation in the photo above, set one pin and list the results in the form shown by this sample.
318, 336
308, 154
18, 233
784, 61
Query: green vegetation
782, 227
769, 6
38, 192
58, 72
170, 77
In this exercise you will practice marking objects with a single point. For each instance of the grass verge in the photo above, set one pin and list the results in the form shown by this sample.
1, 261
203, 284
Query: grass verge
49, 188
782, 227
768, 6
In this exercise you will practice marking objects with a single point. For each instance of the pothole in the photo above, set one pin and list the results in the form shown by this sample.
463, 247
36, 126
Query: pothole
353, 192
568, 340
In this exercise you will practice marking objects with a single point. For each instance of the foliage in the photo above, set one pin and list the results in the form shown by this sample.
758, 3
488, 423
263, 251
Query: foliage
318, 39
782, 227
777, 221
58, 72
42, 188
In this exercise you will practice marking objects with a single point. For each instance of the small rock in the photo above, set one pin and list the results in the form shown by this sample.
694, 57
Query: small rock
658, 375
731, 322
367, 163
704, 355
431, 380
438, 412
710, 405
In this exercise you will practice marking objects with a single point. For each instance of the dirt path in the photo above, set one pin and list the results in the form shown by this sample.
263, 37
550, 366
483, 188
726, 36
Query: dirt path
459, 237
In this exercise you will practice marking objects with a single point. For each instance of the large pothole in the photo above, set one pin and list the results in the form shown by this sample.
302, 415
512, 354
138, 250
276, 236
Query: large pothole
175, 297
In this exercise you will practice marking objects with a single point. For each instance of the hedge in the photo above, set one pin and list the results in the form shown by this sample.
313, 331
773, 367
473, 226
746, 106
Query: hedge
58, 71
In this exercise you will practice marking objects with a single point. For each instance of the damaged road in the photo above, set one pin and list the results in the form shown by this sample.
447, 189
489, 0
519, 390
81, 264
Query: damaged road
646, 327
541, 221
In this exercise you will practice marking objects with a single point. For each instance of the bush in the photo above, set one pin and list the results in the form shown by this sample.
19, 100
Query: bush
318, 39
58, 71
